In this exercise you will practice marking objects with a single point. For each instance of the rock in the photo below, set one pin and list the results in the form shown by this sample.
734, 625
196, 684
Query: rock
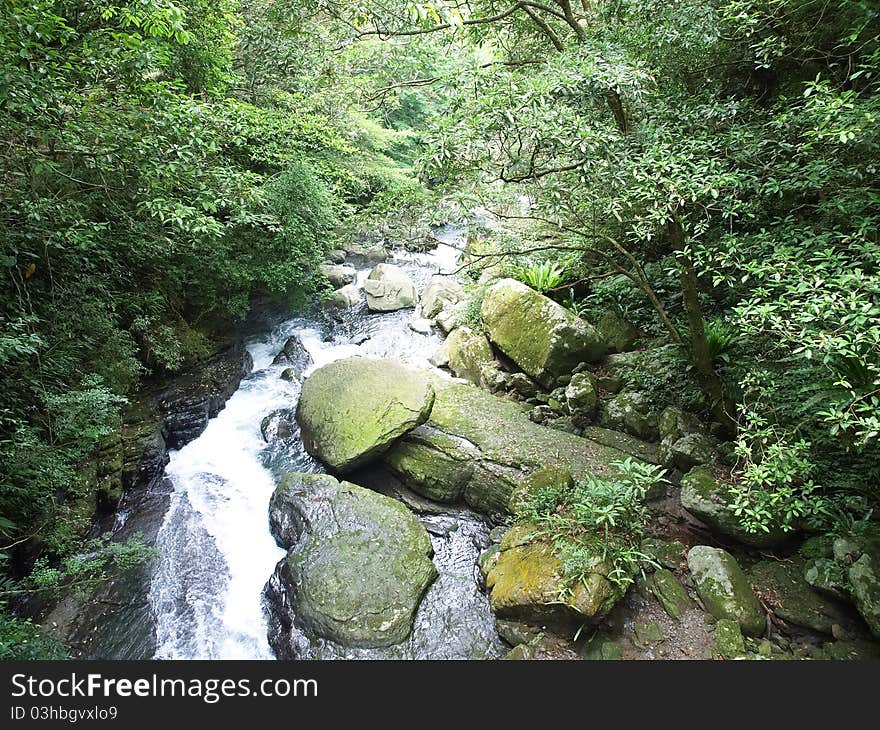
421, 326
724, 588
642, 450
448, 320
389, 289
550, 477
289, 374
729, 643
689, 451
337, 275
296, 356
543, 338
601, 648
648, 634
336, 256
515, 633
433, 464
358, 562
864, 578
709, 501
440, 358
469, 352
347, 297
522, 385
441, 292
353, 410
377, 253
581, 395
192, 399
278, 425
669, 592
618, 334
828, 577
791, 598
503, 445
631, 412
527, 584
669, 554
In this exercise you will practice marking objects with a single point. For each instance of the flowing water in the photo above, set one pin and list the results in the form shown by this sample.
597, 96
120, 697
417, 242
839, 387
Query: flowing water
216, 553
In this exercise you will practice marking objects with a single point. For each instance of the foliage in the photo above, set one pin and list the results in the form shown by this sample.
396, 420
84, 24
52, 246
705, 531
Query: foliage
598, 521
541, 276
721, 338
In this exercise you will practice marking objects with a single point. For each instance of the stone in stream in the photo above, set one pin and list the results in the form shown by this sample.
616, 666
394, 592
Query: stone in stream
440, 292
338, 275
278, 425
543, 338
358, 562
469, 353
724, 588
347, 297
389, 288
707, 499
496, 438
353, 410
336, 256
295, 355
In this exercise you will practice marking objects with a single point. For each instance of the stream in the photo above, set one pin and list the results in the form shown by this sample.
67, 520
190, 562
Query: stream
215, 550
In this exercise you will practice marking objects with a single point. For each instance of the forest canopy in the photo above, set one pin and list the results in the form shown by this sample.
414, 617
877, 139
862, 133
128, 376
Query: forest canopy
709, 170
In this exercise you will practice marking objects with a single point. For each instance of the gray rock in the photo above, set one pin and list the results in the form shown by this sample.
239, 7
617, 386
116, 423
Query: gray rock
278, 425
724, 588
440, 293
347, 297
389, 288
296, 356
338, 275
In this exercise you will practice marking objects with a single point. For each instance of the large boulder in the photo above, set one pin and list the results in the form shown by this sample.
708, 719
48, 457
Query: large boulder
295, 355
345, 298
389, 289
864, 579
358, 562
707, 499
618, 334
527, 583
440, 293
630, 411
353, 410
338, 275
495, 437
793, 599
469, 354
543, 338
724, 588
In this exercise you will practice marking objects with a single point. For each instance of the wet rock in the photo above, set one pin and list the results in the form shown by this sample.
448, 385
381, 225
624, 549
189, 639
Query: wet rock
420, 326
336, 256
708, 500
469, 352
440, 358
278, 425
616, 332
389, 288
377, 254
289, 374
724, 588
791, 598
338, 275
358, 565
543, 338
527, 584
729, 642
296, 356
522, 385
345, 298
353, 410
441, 293
191, 400
669, 554
631, 412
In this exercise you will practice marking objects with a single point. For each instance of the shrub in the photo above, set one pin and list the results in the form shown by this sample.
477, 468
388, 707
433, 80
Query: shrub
542, 276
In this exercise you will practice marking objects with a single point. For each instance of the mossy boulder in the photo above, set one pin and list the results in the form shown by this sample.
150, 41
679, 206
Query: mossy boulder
729, 643
724, 589
669, 592
338, 275
616, 332
864, 578
527, 583
440, 293
630, 411
496, 436
358, 562
389, 288
707, 499
353, 410
793, 599
543, 338
582, 394
469, 354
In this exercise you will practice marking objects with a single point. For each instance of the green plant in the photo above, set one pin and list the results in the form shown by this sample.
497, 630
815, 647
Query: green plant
597, 524
542, 276
721, 337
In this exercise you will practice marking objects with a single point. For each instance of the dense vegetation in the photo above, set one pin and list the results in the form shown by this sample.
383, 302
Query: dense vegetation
709, 169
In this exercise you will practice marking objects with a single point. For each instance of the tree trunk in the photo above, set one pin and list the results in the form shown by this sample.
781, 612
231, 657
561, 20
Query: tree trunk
710, 383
